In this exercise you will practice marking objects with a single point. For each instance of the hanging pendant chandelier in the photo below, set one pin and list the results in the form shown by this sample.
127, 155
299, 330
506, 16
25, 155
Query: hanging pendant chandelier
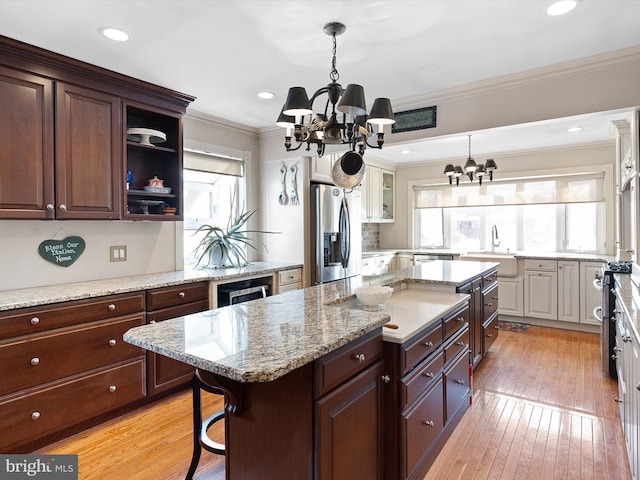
349, 125
470, 169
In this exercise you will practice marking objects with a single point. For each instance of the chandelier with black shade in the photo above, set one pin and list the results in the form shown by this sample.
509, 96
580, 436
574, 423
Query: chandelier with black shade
343, 120
471, 169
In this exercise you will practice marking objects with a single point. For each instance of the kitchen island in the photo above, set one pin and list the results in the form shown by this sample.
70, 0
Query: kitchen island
304, 376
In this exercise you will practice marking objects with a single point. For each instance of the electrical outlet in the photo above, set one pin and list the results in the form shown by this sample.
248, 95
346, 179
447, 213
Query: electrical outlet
118, 253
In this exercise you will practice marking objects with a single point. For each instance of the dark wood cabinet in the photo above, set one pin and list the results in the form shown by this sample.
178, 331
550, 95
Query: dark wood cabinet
65, 151
349, 411
490, 300
427, 393
26, 135
65, 366
164, 373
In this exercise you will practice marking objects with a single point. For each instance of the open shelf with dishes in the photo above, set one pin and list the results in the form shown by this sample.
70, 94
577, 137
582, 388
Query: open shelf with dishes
153, 164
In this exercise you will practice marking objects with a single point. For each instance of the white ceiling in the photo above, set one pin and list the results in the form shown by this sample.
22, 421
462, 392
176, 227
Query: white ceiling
225, 51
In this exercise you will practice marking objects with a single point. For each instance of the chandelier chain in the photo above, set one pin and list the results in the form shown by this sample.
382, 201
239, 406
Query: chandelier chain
334, 75
469, 146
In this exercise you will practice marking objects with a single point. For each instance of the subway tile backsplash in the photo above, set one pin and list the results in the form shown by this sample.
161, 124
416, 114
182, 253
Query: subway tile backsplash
370, 236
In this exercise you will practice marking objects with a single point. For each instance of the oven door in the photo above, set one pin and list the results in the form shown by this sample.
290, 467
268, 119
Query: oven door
246, 294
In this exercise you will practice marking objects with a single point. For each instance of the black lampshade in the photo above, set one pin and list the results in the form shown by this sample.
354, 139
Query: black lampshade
352, 101
297, 103
381, 112
285, 121
470, 165
490, 165
449, 170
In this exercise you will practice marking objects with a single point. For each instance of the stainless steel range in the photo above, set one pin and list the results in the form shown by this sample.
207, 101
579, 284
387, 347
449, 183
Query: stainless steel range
604, 282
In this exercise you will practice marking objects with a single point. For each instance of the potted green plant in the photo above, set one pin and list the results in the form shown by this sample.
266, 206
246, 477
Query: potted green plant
221, 247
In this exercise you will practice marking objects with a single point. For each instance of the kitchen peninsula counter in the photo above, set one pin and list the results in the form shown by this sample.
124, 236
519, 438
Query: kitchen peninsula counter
31, 297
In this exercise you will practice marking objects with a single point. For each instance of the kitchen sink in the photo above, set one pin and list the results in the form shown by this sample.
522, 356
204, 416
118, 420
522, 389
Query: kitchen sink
508, 262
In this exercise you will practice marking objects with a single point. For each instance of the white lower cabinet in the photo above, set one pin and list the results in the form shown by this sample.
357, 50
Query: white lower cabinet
569, 291
511, 296
541, 294
590, 297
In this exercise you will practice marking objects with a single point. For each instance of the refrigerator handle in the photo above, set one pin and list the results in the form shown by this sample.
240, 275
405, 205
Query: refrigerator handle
345, 230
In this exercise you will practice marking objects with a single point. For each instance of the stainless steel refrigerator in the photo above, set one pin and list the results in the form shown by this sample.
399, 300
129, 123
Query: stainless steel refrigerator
336, 233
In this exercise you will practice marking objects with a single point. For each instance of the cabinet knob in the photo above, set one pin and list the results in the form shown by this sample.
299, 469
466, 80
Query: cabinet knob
429, 423
152, 321
111, 307
63, 207
461, 319
460, 382
35, 321
638, 387
181, 294
428, 374
112, 388
488, 304
35, 415
460, 344
490, 335
428, 344
494, 298
385, 378
360, 357
617, 400
50, 206
626, 338
614, 357
35, 361
617, 349
112, 342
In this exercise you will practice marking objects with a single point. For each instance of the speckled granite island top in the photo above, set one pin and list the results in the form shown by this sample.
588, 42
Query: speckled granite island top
31, 297
262, 340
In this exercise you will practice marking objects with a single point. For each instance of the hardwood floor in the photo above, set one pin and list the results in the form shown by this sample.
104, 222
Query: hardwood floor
541, 410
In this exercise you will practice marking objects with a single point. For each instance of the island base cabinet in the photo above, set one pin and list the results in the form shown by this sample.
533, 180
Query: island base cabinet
348, 429
420, 427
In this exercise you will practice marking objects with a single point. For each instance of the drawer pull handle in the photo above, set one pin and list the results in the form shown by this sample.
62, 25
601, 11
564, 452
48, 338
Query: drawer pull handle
112, 388
111, 307
461, 319
460, 382
35, 415
490, 335
488, 304
428, 374
112, 342
429, 423
460, 344
428, 344
626, 338
35, 361
35, 321
385, 378
617, 400
360, 357
181, 294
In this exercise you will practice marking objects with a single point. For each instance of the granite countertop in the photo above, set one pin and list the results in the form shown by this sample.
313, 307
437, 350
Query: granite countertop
586, 257
30, 297
264, 339
630, 296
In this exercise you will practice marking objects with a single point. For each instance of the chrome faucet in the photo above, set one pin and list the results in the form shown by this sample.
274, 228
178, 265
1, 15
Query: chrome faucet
495, 242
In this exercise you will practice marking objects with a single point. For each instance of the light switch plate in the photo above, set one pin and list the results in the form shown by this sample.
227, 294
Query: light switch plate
118, 253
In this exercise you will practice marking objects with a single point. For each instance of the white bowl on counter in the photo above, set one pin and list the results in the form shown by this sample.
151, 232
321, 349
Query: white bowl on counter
373, 297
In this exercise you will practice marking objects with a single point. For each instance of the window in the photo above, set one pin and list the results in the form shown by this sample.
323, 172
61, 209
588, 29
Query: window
208, 188
564, 213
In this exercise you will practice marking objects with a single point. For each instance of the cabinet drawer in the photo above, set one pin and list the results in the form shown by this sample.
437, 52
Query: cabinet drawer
457, 384
340, 365
289, 286
490, 301
37, 319
413, 352
177, 311
456, 321
164, 297
293, 275
490, 332
457, 344
35, 414
48, 356
547, 265
417, 382
419, 428
489, 278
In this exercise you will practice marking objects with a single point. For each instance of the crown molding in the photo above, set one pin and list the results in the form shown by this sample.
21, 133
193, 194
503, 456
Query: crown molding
527, 77
221, 122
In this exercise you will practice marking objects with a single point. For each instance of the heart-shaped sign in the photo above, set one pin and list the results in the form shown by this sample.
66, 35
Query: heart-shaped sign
62, 252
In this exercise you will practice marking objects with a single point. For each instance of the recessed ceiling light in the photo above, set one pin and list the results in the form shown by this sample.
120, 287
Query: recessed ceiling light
574, 129
115, 34
266, 95
561, 7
